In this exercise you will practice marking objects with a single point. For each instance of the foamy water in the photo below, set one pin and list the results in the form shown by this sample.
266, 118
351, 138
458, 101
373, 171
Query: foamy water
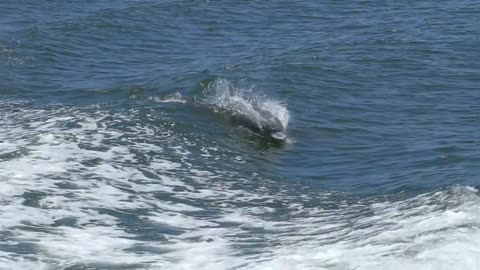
85, 186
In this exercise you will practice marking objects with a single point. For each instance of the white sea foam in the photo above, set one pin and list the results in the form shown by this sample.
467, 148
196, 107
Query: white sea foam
82, 195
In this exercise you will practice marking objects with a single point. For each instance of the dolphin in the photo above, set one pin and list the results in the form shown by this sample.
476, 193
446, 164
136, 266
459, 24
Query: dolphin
241, 112
256, 119
271, 128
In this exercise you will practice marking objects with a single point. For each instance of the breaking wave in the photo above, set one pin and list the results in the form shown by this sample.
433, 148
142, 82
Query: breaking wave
90, 188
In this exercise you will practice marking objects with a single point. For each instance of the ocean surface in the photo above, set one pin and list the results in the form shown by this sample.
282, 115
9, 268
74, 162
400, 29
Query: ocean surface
118, 149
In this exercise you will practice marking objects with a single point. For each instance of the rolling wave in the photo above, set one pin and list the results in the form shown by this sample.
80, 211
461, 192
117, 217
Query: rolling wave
87, 187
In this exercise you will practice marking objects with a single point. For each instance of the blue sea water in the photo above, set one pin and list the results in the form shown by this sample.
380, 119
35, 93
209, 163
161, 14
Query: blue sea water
117, 150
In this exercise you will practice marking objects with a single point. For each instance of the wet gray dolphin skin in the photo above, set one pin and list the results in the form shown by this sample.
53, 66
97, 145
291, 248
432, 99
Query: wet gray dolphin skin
271, 127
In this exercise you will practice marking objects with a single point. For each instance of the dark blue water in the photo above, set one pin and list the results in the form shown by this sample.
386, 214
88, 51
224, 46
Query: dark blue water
117, 148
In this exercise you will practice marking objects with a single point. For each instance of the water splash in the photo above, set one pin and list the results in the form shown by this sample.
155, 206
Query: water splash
262, 112
172, 98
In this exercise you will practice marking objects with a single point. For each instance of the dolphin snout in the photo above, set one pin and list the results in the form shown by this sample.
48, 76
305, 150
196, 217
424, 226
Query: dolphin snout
280, 136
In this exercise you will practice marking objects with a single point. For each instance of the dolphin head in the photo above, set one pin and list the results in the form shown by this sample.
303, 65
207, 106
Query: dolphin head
274, 129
